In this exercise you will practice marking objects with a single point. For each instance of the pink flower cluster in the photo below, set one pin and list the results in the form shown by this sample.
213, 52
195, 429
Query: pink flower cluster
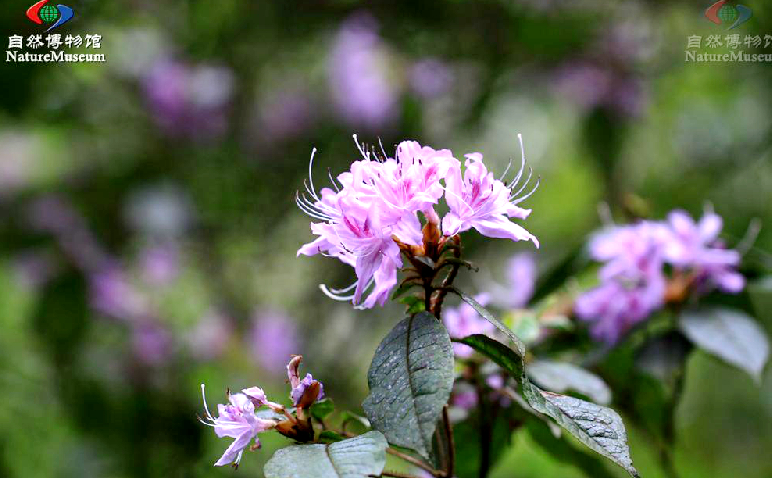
373, 209
633, 279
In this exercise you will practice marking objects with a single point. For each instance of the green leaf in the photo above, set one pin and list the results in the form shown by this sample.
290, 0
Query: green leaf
329, 436
414, 304
410, 379
519, 346
561, 377
729, 334
349, 419
499, 353
321, 409
598, 427
358, 457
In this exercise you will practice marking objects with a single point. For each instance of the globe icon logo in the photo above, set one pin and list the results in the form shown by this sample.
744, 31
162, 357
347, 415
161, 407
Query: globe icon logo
48, 13
724, 13
727, 13
58, 15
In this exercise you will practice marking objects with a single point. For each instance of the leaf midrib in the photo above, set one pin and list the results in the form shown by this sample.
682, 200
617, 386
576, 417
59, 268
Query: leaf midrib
410, 383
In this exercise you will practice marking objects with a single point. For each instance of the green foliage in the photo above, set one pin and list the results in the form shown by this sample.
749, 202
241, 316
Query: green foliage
518, 344
729, 334
598, 427
499, 353
410, 380
358, 457
414, 303
329, 436
323, 408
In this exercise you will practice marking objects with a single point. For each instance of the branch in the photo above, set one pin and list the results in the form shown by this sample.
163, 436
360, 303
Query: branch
450, 442
416, 462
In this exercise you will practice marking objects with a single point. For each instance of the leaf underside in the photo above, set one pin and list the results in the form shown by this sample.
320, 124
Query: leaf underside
358, 457
730, 335
598, 427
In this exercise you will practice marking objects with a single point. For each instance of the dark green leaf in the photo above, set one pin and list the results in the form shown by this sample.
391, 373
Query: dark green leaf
519, 346
598, 427
358, 457
729, 334
499, 353
329, 436
410, 380
321, 409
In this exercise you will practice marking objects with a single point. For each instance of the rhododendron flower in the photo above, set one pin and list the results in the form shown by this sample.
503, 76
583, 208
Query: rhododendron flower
695, 246
372, 215
274, 337
632, 281
484, 203
238, 420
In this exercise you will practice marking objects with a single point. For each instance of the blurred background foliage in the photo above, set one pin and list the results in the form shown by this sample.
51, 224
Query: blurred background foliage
148, 228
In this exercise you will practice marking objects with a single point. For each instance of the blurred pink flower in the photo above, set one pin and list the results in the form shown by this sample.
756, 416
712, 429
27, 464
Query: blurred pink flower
273, 339
210, 336
113, 294
159, 264
592, 85
632, 280
695, 246
430, 77
34, 268
191, 101
361, 90
151, 343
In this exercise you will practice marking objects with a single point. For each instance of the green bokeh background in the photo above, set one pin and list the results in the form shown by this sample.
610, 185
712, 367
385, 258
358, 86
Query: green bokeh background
74, 401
